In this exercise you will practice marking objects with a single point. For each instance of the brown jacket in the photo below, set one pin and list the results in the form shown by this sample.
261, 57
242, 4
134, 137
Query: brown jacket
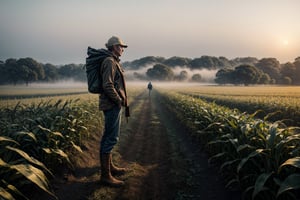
114, 89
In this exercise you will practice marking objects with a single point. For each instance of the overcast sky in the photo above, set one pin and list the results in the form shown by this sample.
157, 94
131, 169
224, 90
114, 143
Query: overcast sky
59, 31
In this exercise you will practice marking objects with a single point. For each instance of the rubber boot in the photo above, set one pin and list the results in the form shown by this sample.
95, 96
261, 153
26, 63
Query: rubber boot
116, 170
106, 177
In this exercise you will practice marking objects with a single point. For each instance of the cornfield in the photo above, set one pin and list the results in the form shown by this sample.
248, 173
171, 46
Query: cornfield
261, 159
36, 140
283, 102
39, 135
256, 154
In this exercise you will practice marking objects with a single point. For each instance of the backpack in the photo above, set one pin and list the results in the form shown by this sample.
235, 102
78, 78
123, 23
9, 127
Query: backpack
93, 65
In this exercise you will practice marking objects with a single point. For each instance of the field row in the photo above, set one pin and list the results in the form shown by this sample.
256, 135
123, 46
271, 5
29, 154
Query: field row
259, 158
38, 137
269, 103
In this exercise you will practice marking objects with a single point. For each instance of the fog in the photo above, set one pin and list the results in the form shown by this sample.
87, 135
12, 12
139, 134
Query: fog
166, 84
208, 76
70, 83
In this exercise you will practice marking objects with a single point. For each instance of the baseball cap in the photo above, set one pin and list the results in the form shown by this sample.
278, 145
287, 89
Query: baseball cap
115, 41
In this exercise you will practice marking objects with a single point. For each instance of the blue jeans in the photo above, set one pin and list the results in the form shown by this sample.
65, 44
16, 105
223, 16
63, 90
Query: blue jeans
110, 136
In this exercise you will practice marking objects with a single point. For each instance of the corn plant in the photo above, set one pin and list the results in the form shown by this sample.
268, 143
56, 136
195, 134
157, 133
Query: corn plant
258, 157
36, 140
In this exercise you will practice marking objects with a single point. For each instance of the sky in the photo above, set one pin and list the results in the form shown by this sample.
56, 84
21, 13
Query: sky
59, 31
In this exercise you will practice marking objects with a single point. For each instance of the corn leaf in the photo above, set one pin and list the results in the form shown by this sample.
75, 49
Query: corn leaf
269, 115
16, 191
23, 133
217, 157
47, 150
34, 175
5, 194
232, 183
3, 163
244, 147
58, 152
260, 183
58, 134
272, 131
287, 141
44, 129
28, 158
61, 153
251, 155
230, 164
295, 162
7, 139
256, 113
76, 147
292, 182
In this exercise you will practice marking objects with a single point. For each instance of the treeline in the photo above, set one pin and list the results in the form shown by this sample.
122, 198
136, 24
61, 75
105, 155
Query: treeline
28, 70
246, 70
265, 71
204, 62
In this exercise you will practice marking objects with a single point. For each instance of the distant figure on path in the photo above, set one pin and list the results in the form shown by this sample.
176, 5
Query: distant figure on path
149, 88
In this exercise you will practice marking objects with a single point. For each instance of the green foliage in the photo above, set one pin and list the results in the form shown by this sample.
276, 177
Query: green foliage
28, 70
37, 139
258, 157
196, 78
160, 72
246, 74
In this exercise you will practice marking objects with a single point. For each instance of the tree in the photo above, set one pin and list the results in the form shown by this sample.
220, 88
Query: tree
27, 74
142, 62
246, 74
34, 66
264, 79
182, 76
224, 76
3, 73
12, 70
51, 72
196, 78
177, 61
270, 66
160, 72
72, 71
244, 60
286, 80
209, 62
288, 70
296, 79
203, 62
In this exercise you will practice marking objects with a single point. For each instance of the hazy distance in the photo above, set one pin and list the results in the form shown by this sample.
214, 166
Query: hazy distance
59, 31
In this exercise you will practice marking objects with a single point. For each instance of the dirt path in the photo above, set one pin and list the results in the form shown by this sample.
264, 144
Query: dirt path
164, 163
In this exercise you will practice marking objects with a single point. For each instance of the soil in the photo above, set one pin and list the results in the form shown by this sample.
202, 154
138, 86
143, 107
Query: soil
163, 162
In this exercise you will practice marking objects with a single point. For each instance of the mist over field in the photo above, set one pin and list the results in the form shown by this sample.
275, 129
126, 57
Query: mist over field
207, 76
70, 83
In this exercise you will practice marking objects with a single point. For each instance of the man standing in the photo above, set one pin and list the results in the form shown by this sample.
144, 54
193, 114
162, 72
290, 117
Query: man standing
111, 101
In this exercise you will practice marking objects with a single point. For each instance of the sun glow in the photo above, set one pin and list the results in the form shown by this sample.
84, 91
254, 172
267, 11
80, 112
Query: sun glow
285, 42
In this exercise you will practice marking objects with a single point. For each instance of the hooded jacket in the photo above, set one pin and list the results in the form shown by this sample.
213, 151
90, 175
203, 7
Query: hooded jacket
113, 81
